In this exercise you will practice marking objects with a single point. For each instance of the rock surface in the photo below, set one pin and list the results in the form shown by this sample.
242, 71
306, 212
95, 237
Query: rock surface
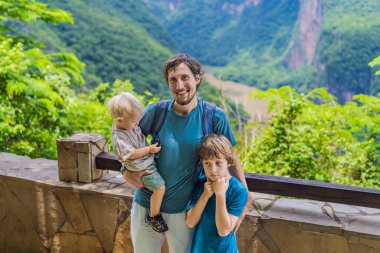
39, 213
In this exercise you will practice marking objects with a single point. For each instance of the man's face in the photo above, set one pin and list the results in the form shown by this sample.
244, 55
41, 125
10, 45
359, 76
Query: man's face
183, 84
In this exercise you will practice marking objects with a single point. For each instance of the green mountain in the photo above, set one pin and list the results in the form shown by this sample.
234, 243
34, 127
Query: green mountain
305, 44
116, 39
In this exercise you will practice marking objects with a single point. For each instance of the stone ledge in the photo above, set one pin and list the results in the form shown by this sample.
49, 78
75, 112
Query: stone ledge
56, 216
46, 171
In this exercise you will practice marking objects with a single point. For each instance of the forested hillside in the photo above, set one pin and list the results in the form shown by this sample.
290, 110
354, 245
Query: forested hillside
47, 92
304, 44
116, 39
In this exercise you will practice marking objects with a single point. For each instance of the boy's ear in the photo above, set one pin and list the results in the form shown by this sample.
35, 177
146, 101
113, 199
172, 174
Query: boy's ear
119, 119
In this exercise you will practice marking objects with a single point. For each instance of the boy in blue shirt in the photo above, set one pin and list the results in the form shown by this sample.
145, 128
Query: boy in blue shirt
218, 202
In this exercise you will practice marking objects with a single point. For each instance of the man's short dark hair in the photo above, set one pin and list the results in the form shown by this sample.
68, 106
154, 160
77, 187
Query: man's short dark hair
176, 60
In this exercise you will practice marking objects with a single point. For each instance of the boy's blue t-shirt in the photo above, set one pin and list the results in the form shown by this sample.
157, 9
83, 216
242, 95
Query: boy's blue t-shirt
206, 237
180, 138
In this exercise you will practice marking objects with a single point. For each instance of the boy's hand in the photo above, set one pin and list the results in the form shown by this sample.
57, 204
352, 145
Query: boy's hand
220, 186
153, 149
134, 177
208, 191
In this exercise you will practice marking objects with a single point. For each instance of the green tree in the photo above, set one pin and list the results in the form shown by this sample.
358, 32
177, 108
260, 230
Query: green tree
33, 85
313, 137
375, 63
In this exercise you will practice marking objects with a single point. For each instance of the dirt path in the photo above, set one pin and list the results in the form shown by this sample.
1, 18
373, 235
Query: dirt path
240, 93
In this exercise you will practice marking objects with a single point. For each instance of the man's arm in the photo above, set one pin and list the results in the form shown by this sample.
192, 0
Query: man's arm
134, 177
237, 171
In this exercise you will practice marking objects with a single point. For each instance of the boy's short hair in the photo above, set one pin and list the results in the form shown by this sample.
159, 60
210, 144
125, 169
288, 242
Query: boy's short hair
216, 146
187, 59
124, 105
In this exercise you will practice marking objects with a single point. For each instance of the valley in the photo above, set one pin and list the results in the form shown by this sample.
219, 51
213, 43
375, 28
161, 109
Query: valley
239, 93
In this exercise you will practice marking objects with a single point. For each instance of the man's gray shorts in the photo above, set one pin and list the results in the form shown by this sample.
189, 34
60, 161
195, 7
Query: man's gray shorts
152, 181
146, 240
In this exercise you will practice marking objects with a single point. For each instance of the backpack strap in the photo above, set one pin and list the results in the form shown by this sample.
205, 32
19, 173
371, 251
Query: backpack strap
208, 118
208, 128
159, 116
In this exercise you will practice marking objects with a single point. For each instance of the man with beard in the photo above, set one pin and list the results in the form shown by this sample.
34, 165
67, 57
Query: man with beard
180, 136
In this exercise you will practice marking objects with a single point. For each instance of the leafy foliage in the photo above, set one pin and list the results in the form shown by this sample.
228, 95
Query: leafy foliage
29, 10
32, 85
313, 137
375, 63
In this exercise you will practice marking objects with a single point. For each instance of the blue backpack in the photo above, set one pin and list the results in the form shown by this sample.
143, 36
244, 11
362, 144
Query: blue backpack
207, 127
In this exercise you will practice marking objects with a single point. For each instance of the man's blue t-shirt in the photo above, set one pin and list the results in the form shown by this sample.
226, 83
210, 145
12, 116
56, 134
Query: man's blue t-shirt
206, 238
180, 138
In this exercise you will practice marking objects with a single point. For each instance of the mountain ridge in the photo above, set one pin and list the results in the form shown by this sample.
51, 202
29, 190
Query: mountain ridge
269, 44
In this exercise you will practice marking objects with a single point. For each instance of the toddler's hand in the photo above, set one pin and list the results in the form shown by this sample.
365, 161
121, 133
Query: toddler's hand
153, 149
220, 186
208, 189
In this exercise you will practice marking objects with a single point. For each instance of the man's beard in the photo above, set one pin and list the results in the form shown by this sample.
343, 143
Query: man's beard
186, 102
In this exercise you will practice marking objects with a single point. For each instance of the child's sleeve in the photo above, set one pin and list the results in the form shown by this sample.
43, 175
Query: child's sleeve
123, 150
237, 203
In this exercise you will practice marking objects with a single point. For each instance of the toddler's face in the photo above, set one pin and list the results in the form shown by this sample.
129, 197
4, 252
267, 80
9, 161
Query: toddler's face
215, 168
128, 123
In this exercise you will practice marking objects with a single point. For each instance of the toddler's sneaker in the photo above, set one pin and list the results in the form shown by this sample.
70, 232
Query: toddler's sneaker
157, 222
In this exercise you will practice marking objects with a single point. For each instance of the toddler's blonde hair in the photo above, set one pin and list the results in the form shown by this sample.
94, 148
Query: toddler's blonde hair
124, 105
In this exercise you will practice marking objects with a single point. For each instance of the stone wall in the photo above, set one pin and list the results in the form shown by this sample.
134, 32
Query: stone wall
39, 213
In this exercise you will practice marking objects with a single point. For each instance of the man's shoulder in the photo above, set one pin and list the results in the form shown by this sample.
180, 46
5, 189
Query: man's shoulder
218, 112
159, 105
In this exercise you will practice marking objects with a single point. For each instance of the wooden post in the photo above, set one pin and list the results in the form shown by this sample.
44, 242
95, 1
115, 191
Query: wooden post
76, 157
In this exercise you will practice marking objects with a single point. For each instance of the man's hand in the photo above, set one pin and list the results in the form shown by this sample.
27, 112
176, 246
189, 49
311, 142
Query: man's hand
134, 177
247, 208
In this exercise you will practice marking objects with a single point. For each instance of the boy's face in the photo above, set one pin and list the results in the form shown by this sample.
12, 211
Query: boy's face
128, 123
215, 168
